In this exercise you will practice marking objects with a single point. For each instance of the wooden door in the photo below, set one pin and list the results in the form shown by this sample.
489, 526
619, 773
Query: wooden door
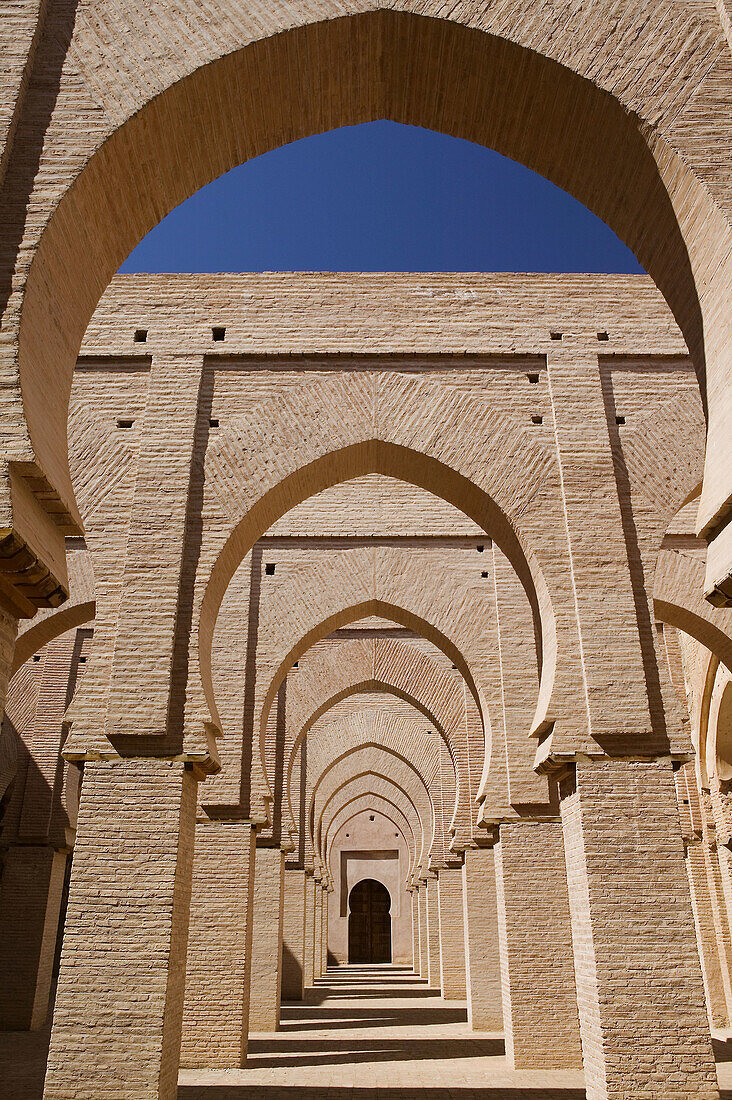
369, 923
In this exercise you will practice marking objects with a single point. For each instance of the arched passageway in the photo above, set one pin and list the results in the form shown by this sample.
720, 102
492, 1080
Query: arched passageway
369, 923
430, 600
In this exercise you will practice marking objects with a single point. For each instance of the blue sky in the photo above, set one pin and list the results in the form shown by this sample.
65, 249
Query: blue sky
381, 197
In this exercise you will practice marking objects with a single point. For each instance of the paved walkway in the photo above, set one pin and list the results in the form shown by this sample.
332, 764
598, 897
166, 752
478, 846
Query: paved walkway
363, 1033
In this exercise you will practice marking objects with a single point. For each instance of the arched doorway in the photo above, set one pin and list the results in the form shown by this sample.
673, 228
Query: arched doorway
369, 923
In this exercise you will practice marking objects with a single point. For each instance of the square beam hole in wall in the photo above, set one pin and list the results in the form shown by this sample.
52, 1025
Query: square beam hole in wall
269, 568
484, 574
602, 336
480, 548
537, 419
140, 335
213, 422
218, 333
556, 335
124, 422
533, 378
619, 419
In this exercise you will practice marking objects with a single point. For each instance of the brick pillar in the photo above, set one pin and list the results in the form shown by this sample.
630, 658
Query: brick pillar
433, 933
482, 954
266, 975
317, 931
8, 633
712, 934
641, 998
452, 933
31, 888
216, 1015
293, 936
414, 898
310, 888
326, 895
540, 1018
117, 1021
424, 964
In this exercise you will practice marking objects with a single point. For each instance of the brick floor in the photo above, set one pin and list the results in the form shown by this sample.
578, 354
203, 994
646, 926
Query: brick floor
363, 1033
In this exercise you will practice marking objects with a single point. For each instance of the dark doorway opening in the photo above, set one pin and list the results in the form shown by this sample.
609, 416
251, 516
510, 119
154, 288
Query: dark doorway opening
369, 923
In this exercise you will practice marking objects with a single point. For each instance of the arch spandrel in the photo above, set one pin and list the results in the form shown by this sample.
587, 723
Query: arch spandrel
492, 67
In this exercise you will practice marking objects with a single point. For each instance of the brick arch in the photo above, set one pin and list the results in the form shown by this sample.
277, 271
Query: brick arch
402, 778
391, 666
373, 732
357, 805
266, 694
382, 687
280, 484
678, 601
565, 99
80, 608
381, 757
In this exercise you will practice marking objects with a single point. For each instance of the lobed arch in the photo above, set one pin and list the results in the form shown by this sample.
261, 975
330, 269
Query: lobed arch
586, 124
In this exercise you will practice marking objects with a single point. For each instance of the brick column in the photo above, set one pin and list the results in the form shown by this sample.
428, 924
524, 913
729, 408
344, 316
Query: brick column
216, 1016
433, 932
310, 888
482, 954
712, 931
318, 931
326, 895
414, 898
424, 964
293, 936
641, 999
452, 933
117, 1021
31, 889
537, 975
266, 975
8, 633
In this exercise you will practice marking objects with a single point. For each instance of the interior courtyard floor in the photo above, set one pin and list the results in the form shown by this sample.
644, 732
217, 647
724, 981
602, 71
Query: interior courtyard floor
362, 1033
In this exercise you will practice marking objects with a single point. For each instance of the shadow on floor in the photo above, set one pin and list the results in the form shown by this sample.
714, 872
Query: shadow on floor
326, 1019
325, 1052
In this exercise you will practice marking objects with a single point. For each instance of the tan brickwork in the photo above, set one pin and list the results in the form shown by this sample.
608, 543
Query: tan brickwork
537, 978
119, 1005
618, 890
266, 969
482, 954
452, 933
293, 935
218, 967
